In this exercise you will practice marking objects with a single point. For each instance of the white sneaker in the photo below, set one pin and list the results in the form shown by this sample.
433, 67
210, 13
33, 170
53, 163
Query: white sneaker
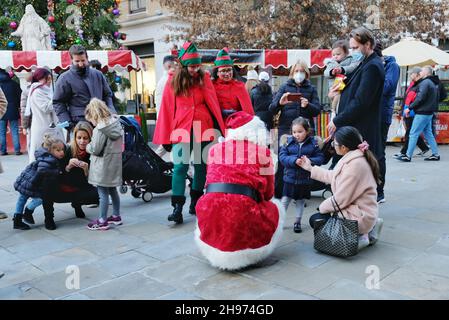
375, 233
363, 241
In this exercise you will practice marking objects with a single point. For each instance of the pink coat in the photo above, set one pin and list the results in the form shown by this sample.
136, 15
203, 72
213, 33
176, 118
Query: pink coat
354, 189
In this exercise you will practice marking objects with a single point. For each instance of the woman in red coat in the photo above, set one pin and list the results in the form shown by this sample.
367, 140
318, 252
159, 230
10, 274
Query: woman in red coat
238, 222
231, 93
190, 118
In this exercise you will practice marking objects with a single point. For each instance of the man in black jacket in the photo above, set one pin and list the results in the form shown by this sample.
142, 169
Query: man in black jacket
425, 104
360, 102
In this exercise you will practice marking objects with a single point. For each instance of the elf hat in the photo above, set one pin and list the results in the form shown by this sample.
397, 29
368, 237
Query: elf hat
188, 55
223, 59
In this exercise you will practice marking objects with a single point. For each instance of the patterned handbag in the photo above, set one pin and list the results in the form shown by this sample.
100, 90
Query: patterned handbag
337, 236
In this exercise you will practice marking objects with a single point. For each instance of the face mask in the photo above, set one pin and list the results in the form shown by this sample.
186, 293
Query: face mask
299, 77
357, 55
80, 70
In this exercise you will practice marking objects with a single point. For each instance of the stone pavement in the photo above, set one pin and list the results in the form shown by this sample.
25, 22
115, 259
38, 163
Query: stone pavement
149, 258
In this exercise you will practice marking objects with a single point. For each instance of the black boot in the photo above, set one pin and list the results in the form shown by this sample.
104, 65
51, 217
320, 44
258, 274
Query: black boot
49, 222
18, 223
28, 216
194, 196
78, 211
177, 202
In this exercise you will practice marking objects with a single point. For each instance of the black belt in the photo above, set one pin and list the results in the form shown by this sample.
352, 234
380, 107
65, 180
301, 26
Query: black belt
234, 189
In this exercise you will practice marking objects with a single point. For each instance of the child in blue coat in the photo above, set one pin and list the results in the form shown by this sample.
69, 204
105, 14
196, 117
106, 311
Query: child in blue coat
31, 181
297, 182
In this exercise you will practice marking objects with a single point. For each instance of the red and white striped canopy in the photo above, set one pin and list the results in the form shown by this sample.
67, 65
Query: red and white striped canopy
287, 58
117, 60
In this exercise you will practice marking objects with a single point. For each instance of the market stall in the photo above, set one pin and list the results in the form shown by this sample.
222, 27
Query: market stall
411, 52
56, 61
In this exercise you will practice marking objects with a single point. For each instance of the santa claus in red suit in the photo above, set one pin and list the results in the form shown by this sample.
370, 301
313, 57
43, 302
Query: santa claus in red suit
232, 94
238, 221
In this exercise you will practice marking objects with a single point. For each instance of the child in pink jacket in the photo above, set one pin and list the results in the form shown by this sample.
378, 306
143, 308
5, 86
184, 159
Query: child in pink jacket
354, 184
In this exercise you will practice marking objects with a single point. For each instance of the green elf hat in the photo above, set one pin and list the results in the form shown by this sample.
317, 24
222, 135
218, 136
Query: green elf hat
223, 59
188, 55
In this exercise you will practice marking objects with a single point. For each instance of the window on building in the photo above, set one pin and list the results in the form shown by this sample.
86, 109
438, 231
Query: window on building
137, 6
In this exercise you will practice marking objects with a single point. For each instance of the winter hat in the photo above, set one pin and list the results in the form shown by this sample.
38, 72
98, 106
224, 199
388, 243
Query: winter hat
252, 75
223, 59
188, 55
244, 126
238, 119
264, 76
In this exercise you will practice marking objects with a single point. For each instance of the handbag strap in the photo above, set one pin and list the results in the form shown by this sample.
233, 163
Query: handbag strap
337, 207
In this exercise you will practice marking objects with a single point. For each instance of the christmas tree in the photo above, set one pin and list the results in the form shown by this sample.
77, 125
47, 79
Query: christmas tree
85, 22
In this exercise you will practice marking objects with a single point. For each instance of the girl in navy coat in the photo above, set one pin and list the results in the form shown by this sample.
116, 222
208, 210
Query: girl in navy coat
31, 181
297, 182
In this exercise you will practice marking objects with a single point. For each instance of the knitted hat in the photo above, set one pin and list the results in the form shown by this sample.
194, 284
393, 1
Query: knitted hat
223, 59
252, 75
188, 55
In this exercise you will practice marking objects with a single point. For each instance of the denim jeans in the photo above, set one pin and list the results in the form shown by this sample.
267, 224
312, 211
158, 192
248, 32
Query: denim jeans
104, 193
14, 127
422, 123
20, 204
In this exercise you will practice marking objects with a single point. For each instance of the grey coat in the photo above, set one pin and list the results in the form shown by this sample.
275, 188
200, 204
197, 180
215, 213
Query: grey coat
106, 154
73, 93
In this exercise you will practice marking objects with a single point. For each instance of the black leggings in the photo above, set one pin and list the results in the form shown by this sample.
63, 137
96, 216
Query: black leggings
318, 216
87, 195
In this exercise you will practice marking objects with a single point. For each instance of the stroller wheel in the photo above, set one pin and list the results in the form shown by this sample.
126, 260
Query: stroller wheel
327, 193
147, 196
135, 193
123, 189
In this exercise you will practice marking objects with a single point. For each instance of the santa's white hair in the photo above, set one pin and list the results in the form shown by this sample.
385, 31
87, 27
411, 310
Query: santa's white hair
254, 131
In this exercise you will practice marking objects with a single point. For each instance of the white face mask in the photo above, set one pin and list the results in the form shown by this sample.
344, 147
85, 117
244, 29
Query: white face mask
299, 77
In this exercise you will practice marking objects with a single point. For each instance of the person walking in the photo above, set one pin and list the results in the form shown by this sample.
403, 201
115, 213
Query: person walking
425, 104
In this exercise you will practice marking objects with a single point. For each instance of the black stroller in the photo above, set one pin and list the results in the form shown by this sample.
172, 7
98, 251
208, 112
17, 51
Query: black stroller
143, 170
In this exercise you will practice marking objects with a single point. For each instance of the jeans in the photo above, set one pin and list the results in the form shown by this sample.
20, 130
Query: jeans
422, 124
408, 126
14, 127
384, 127
104, 193
20, 205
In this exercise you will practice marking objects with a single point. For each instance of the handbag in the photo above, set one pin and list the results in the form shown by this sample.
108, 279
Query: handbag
337, 236
400, 132
328, 150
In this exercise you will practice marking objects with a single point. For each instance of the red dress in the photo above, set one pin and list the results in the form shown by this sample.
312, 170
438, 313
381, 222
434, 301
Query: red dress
178, 114
232, 95
234, 230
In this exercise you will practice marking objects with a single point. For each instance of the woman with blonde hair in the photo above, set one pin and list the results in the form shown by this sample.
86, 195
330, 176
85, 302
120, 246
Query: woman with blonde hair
297, 97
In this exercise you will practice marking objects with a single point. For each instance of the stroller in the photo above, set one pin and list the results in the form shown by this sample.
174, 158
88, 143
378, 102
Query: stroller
143, 170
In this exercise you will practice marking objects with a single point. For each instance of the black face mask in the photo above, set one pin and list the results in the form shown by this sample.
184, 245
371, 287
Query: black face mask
81, 71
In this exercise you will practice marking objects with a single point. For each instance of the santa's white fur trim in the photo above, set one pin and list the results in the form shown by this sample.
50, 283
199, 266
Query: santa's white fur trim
239, 259
254, 131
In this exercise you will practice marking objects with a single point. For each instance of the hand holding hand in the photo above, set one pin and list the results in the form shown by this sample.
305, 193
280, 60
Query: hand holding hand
304, 163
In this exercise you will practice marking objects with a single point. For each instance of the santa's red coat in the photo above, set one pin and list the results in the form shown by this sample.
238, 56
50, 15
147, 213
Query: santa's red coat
232, 95
236, 224
176, 119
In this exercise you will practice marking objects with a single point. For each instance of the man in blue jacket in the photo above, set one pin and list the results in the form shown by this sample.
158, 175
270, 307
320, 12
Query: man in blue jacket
75, 88
392, 71
12, 92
